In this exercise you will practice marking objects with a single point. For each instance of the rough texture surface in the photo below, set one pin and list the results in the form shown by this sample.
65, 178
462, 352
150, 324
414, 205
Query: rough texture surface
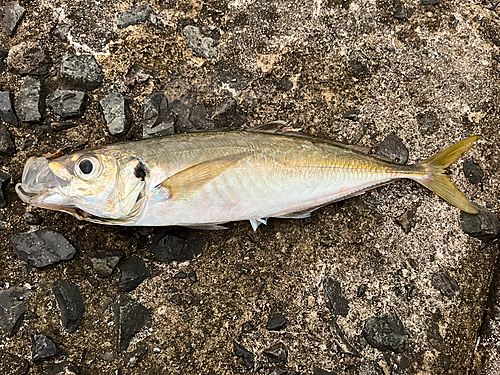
355, 71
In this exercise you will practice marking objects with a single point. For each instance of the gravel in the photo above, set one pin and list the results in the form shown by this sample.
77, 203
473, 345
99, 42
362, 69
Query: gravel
29, 102
79, 72
130, 318
276, 322
7, 113
245, 354
13, 308
386, 333
116, 113
43, 347
29, 57
7, 147
104, 262
133, 272
67, 103
13, 13
158, 119
137, 15
338, 303
203, 46
71, 305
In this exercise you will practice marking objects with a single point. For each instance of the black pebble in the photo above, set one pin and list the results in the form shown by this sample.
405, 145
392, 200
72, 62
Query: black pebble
13, 13
320, 371
132, 358
202, 45
6, 109
133, 272
338, 303
158, 119
7, 147
362, 290
472, 171
443, 282
180, 275
276, 322
79, 72
386, 333
484, 225
192, 276
29, 104
70, 303
226, 115
62, 368
42, 248
137, 15
43, 347
11, 364
13, 308
67, 103
176, 299
130, 318
4, 179
399, 14
284, 85
276, 353
104, 262
247, 356
177, 245
392, 147
247, 327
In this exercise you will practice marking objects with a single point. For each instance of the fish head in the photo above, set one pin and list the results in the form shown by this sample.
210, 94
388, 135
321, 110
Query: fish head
99, 186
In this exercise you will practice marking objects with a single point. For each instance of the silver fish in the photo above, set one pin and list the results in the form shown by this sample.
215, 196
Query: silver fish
206, 179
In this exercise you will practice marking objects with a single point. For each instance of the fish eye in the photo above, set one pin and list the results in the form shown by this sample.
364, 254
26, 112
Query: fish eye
88, 167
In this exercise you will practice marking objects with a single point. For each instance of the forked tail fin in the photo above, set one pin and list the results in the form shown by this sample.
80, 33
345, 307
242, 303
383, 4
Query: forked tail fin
437, 181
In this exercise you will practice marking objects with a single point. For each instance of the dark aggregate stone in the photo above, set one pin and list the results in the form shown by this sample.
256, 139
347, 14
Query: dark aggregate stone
70, 303
399, 13
484, 225
428, 122
80, 72
132, 358
443, 282
116, 113
192, 276
472, 171
360, 293
284, 85
28, 104
7, 147
43, 347
130, 318
62, 368
4, 179
386, 333
32, 218
406, 220
247, 327
104, 262
137, 74
137, 15
158, 120
247, 356
13, 13
276, 322
42, 248
392, 147
341, 340
446, 361
338, 303
3, 52
176, 299
11, 364
430, 2
352, 114
276, 353
62, 125
13, 308
67, 103
320, 371
133, 272
177, 245
203, 46
180, 275
7, 113
226, 115
62, 32
29, 58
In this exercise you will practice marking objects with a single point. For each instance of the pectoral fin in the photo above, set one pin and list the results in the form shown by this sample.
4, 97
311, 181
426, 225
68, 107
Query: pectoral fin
189, 181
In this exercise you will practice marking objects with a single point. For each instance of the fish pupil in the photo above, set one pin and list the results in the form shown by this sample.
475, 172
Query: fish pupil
86, 166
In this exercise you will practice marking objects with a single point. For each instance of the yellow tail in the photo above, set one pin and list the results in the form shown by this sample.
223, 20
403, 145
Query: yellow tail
436, 180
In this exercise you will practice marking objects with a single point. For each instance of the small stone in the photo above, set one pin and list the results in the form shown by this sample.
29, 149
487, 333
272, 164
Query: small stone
70, 303
4, 179
80, 72
430, 2
43, 347
333, 290
386, 333
104, 262
67, 103
7, 147
472, 171
130, 318
11, 364
6, 110
392, 147
443, 282
137, 74
108, 357
32, 218
182, 246
132, 358
192, 276
284, 85
484, 225
276, 322
62, 368
399, 14
226, 115
180, 275
116, 113
133, 272
176, 299
62, 32
247, 356
29, 58
158, 118
276, 353
247, 327
406, 220
203, 46
42, 248
360, 293
137, 15
320, 371
13, 308
29, 104
428, 122
13, 13
352, 114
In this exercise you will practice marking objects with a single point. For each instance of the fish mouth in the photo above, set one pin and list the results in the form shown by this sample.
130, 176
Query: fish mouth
41, 187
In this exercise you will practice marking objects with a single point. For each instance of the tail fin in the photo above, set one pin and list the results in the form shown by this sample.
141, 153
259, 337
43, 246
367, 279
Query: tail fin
439, 183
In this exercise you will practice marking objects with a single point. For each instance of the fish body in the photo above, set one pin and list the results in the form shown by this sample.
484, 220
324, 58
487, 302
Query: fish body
205, 179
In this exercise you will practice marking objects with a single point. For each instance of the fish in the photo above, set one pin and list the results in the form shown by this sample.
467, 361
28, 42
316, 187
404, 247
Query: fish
207, 179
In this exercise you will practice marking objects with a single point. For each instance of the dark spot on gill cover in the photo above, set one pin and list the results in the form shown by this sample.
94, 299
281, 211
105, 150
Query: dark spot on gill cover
140, 171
